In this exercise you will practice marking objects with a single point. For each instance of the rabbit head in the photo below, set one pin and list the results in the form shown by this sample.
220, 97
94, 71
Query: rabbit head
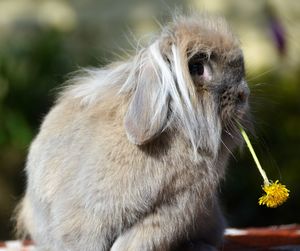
190, 78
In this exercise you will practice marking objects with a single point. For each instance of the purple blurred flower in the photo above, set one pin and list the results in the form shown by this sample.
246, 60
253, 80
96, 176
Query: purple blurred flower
277, 30
278, 35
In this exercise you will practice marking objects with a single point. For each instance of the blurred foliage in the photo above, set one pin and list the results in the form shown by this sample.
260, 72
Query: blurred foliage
39, 47
30, 66
276, 110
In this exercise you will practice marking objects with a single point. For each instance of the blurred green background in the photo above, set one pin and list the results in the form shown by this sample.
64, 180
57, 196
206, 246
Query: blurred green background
41, 41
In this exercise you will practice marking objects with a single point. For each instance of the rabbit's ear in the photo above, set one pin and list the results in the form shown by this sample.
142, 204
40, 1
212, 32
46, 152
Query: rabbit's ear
147, 113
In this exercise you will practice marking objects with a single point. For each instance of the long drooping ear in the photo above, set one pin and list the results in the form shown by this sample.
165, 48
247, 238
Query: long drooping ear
147, 113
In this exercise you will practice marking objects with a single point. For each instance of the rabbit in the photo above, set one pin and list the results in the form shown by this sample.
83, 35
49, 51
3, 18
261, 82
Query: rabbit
131, 156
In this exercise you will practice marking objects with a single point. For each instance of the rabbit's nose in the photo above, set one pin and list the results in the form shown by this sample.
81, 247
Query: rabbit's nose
242, 97
243, 93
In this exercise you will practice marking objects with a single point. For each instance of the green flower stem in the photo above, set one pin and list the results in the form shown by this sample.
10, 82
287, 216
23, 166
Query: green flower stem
262, 172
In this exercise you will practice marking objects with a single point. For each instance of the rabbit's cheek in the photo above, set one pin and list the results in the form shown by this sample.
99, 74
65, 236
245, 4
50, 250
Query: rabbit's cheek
226, 105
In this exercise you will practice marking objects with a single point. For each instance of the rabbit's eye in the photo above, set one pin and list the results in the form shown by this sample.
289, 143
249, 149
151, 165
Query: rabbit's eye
196, 68
199, 68
197, 64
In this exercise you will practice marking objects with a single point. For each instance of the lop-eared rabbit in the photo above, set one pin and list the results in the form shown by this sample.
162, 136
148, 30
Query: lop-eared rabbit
131, 155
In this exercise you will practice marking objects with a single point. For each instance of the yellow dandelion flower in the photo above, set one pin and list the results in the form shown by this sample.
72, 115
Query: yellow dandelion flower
276, 193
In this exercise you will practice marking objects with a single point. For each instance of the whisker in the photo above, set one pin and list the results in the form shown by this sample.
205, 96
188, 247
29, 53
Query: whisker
230, 152
263, 73
230, 134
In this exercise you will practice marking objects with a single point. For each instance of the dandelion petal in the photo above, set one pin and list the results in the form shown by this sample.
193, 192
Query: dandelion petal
275, 194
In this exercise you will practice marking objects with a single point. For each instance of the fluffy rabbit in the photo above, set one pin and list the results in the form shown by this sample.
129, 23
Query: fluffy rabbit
131, 156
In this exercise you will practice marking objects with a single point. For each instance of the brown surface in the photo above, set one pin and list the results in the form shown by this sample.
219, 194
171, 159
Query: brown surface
266, 238
283, 238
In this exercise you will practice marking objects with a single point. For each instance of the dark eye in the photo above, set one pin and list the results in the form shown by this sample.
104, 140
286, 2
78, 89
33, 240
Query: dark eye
196, 64
196, 68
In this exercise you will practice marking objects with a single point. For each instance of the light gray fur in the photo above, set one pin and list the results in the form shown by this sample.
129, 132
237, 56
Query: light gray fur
131, 156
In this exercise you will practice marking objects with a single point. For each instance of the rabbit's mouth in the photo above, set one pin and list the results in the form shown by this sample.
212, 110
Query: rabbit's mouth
234, 103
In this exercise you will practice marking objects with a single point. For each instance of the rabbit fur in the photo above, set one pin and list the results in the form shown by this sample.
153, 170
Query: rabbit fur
131, 155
